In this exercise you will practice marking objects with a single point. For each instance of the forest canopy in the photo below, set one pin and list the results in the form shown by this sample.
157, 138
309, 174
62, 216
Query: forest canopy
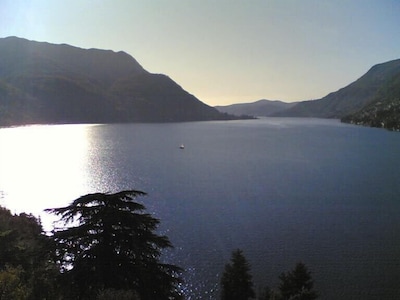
107, 247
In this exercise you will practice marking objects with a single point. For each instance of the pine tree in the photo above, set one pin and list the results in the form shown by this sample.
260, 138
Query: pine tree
297, 284
236, 281
109, 243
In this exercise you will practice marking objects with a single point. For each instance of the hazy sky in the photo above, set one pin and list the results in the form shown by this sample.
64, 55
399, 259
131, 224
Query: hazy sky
225, 51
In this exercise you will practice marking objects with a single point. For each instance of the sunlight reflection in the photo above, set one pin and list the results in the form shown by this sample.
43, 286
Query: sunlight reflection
42, 162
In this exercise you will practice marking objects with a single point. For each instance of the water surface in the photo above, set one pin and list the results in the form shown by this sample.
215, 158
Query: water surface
283, 190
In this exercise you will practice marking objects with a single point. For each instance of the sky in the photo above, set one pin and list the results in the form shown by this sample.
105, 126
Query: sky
225, 51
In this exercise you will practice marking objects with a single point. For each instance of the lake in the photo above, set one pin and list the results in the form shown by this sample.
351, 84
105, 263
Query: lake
282, 190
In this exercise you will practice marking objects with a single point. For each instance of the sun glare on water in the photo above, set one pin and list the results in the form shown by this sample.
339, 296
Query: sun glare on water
42, 166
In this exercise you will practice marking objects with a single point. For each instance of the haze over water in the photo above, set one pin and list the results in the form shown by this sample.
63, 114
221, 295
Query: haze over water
283, 190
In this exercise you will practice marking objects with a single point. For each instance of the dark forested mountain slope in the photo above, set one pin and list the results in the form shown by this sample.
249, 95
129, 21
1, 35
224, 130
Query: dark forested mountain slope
349, 99
47, 83
383, 111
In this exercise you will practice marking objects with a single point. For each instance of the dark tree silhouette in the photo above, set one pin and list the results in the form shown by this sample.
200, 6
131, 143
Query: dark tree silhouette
297, 284
27, 270
266, 294
236, 281
109, 243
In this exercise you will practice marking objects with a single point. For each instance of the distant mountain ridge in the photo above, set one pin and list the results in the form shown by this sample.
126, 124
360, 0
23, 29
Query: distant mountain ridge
371, 100
349, 99
47, 83
260, 108
43, 83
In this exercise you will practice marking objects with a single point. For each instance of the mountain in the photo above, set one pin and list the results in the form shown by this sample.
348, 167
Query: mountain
349, 99
383, 111
260, 108
48, 83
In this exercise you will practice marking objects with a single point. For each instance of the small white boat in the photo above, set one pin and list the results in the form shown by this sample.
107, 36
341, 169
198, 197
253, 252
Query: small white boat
182, 146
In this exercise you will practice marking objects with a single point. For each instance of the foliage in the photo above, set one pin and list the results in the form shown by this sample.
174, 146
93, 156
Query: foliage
111, 244
27, 270
236, 281
267, 294
108, 249
297, 284
11, 284
112, 294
